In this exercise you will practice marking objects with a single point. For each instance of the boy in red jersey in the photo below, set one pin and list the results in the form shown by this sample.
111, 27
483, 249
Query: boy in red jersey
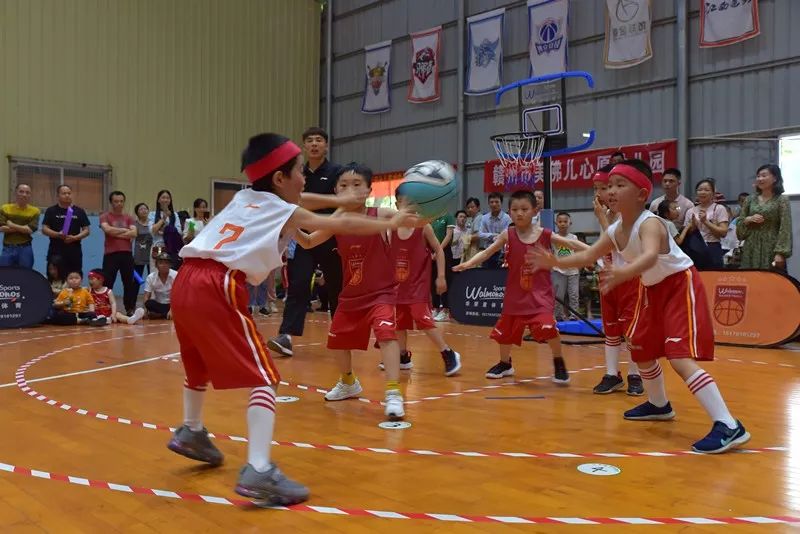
672, 318
528, 300
412, 254
616, 306
367, 300
217, 335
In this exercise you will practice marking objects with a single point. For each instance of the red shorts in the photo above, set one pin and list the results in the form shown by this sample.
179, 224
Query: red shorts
617, 308
417, 316
673, 320
510, 328
218, 338
350, 329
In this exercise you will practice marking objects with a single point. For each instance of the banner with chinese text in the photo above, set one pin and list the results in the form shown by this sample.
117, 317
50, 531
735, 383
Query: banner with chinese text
574, 171
628, 26
725, 22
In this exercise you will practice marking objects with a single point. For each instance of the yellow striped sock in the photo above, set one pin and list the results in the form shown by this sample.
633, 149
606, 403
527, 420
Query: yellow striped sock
348, 378
392, 384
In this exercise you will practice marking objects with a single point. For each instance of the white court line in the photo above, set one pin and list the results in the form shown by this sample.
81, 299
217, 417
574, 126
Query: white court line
95, 370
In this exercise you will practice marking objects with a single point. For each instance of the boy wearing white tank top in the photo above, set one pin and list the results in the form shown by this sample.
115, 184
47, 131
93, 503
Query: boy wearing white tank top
672, 318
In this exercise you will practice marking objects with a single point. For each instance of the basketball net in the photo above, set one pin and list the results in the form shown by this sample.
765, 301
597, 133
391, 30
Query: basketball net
519, 154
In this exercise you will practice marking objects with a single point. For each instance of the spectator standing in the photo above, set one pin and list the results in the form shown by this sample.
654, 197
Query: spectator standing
18, 221
120, 231
461, 237
492, 225
443, 230
566, 280
765, 223
66, 225
711, 220
144, 239
671, 185
166, 229
197, 222
473, 224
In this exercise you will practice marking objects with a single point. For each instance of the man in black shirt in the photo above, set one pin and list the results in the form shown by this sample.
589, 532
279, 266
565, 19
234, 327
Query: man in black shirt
65, 245
320, 174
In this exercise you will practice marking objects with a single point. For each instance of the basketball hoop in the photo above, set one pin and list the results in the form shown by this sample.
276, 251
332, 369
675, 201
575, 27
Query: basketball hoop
518, 150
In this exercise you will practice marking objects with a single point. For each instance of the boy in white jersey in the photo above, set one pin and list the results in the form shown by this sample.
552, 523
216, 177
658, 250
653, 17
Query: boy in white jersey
672, 318
218, 338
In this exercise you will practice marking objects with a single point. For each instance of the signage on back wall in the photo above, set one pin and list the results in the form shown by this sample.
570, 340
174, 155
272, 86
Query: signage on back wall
574, 171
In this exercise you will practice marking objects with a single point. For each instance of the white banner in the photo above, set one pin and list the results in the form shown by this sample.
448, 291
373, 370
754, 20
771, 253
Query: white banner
423, 86
547, 42
485, 42
628, 26
727, 22
376, 89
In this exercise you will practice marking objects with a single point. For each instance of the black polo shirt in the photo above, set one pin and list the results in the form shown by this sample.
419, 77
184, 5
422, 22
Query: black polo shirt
320, 181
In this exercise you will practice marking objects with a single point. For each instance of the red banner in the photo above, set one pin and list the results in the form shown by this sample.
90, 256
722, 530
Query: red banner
574, 171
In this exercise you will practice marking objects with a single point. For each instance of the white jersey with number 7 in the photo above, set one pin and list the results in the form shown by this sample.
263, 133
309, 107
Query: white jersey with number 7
246, 235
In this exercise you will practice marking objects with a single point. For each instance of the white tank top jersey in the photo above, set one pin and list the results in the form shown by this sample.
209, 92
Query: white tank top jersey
246, 235
674, 261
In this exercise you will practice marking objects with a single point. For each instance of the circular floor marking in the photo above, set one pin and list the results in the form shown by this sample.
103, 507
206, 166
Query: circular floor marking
599, 470
394, 425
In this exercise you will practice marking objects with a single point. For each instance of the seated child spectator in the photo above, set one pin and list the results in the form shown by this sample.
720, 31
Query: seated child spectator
158, 289
105, 305
74, 304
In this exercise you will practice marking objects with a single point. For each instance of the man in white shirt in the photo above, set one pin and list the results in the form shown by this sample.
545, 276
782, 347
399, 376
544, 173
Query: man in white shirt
671, 185
493, 224
158, 289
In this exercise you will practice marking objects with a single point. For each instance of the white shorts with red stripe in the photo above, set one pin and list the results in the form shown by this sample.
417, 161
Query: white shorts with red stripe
672, 320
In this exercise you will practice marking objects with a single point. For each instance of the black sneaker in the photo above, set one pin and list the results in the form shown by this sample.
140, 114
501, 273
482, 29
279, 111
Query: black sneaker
281, 344
635, 386
560, 374
264, 311
500, 370
98, 321
721, 438
405, 360
609, 384
650, 412
528, 337
452, 362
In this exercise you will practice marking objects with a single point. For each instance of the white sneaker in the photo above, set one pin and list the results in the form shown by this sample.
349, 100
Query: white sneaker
273, 308
342, 391
442, 316
394, 405
137, 316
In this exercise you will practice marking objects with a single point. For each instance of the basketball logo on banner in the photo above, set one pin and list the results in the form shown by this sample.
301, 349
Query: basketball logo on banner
729, 304
547, 47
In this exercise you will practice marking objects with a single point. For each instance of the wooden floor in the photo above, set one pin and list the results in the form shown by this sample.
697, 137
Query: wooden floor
105, 424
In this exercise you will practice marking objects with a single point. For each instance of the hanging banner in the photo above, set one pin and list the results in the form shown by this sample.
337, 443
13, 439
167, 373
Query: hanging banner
727, 22
485, 46
628, 26
423, 85
376, 88
574, 171
547, 41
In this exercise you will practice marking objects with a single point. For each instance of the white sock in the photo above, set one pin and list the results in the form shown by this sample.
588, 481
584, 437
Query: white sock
654, 385
260, 423
193, 406
702, 385
612, 355
633, 369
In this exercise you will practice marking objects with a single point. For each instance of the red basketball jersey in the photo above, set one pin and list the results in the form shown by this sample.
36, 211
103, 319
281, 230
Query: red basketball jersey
528, 291
102, 302
367, 270
412, 268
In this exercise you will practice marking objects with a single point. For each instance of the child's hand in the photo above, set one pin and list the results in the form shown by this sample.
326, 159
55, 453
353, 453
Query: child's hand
441, 284
599, 209
610, 277
404, 218
461, 267
353, 201
540, 258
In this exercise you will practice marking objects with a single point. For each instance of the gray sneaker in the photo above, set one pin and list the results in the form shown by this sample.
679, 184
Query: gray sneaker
281, 344
195, 445
271, 488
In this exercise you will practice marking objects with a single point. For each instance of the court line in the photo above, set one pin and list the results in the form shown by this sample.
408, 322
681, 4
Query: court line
386, 514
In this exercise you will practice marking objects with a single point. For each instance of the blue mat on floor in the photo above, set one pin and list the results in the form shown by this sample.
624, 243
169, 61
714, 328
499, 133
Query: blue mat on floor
579, 328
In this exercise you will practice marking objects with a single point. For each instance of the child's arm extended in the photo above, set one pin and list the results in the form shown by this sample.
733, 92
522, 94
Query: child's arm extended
484, 255
544, 259
315, 201
573, 244
323, 227
436, 247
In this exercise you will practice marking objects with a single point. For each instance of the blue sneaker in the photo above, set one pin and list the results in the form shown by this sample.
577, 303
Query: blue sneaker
721, 438
650, 412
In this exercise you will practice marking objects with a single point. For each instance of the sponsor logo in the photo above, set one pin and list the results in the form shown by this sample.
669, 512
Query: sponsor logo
424, 63
550, 36
377, 76
485, 52
729, 304
673, 340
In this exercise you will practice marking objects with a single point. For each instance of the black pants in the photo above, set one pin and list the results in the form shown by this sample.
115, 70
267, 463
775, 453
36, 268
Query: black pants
122, 262
68, 319
716, 254
156, 307
440, 301
68, 256
300, 269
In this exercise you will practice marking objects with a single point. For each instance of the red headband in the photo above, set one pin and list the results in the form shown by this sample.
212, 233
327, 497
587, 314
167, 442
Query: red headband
634, 175
97, 275
601, 177
272, 161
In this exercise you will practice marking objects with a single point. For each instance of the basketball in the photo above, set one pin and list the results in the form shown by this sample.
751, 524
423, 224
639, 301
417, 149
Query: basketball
430, 186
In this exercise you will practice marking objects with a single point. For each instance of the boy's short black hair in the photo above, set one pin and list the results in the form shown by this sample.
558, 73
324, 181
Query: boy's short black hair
315, 130
564, 213
744, 194
473, 200
640, 166
495, 194
674, 172
356, 168
459, 212
114, 194
523, 194
77, 271
618, 153
259, 146
606, 168
663, 208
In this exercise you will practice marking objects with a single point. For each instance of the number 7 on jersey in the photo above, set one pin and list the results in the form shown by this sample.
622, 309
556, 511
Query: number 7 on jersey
237, 231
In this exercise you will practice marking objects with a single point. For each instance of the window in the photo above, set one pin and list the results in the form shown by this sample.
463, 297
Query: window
90, 183
222, 191
789, 162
